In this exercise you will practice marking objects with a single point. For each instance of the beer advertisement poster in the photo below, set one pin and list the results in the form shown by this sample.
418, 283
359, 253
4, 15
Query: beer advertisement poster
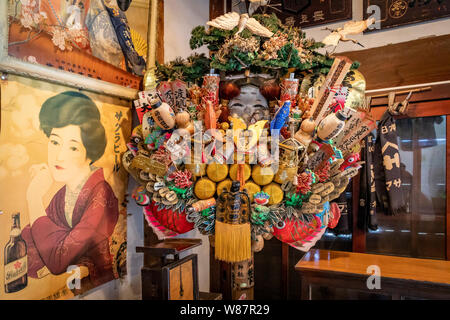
62, 189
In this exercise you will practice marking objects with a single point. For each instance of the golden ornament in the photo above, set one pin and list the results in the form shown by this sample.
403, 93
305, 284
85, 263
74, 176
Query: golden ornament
217, 172
275, 193
233, 172
262, 176
204, 188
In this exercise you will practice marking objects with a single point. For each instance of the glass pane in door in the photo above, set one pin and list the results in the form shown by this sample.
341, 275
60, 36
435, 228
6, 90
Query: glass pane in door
418, 232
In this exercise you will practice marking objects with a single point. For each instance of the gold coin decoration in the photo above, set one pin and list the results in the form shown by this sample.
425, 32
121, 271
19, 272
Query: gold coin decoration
315, 199
217, 171
204, 188
328, 188
318, 188
252, 188
262, 176
233, 172
275, 193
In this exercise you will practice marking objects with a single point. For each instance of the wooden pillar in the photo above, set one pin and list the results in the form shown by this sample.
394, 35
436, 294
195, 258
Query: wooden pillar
359, 236
160, 33
415, 190
447, 172
228, 6
216, 8
284, 270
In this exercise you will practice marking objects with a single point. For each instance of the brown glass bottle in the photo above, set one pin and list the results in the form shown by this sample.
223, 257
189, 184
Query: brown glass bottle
16, 263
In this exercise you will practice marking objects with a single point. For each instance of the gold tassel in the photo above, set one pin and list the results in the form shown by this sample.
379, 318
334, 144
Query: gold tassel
232, 242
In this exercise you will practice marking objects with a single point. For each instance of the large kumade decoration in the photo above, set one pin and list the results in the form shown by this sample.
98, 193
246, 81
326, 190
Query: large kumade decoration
251, 143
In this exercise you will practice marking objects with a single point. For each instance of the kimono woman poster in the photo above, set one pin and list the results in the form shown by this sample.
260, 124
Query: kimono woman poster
60, 152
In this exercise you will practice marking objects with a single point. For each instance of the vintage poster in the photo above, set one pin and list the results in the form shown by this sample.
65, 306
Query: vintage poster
62, 215
87, 37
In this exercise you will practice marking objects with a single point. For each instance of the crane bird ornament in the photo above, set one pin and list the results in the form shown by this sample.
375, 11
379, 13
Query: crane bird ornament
351, 27
253, 5
232, 19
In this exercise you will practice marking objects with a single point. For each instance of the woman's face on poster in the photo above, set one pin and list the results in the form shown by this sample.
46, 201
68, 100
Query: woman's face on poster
66, 153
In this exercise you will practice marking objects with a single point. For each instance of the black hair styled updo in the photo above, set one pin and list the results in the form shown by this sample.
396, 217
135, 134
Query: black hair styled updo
75, 108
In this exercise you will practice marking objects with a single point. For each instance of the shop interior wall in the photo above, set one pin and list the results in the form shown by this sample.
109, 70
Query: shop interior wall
181, 16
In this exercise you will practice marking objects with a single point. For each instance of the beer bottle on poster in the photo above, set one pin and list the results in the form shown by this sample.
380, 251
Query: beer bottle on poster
16, 263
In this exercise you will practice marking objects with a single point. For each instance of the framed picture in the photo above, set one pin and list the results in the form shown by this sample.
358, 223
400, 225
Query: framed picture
69, 42
395, 13
301, 13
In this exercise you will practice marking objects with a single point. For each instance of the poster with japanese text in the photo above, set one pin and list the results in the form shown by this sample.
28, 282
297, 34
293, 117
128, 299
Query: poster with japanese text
62, 188
91, 38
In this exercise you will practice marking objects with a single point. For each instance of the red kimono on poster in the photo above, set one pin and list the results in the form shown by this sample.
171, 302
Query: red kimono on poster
53, 243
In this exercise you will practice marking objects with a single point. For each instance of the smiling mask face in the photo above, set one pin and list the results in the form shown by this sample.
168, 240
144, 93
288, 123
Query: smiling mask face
250, 105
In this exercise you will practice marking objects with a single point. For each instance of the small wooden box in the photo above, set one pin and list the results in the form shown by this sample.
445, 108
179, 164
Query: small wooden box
175, 281
171, 279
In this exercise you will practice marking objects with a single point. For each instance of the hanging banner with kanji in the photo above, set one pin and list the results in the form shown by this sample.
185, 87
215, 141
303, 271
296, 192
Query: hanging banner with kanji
63, 223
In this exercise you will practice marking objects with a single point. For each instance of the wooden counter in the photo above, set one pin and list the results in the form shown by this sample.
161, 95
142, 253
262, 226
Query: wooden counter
400, 277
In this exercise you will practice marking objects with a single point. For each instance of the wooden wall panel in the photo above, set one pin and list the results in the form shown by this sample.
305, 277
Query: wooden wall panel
413, 62
216, 8
447, 171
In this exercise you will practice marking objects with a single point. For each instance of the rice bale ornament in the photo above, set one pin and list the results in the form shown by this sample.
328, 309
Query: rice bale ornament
217, 172
205, 158
225, 184
234, 170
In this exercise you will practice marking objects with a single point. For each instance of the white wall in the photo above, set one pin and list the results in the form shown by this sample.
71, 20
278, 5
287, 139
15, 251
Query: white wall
181, 16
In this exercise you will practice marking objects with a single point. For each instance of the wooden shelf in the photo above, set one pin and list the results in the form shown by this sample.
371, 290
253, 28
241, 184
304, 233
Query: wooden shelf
170, 246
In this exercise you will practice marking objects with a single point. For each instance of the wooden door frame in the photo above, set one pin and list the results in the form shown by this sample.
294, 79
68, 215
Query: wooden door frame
435, 102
